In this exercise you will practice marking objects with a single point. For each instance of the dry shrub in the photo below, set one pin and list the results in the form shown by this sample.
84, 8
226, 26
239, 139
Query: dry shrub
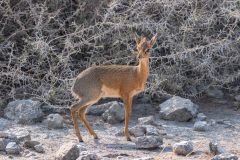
45, 44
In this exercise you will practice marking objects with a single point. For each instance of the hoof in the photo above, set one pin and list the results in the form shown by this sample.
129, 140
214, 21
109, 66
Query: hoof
129, 139
96, 137
80, 140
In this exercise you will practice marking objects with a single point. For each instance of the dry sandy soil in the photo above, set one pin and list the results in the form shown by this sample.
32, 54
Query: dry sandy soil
226, 131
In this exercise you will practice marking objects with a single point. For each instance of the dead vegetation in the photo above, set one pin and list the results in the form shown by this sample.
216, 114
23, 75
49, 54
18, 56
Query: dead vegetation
45, 44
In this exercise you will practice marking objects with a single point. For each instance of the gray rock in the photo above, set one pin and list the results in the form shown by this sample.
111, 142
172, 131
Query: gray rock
153, 131
4, 124
201, 126
20, 135
55, 109
54, 121
237, 98
30, 144
98, 110
215, 148
86, 155
201, 117
225, 156
3, 143
115, 113
214, 92
149, 130
24, 111
39, 148
12, 148
236, 104
137, 131
146, 120
183, 148
145, 99
148, 142
70, 151
178, 109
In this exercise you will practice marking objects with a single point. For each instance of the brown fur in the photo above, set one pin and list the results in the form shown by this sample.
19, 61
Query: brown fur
111, 81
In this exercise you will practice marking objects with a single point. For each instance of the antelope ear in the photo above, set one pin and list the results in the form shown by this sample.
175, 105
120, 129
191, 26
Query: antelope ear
153, 40
137, 39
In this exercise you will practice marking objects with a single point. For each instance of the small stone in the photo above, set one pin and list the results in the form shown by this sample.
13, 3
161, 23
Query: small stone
69, 151
86, 155
151, 130
201, 117
183, 148
12, 148
237, 98
201, 126
115, 113
30, 144
39, 148
137, 131
148, 142
54, 121
22, 135
146, 120
236, 104
214, 92
215, 148
225, 156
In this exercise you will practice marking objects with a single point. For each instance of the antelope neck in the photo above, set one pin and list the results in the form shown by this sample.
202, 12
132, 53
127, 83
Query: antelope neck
143, 68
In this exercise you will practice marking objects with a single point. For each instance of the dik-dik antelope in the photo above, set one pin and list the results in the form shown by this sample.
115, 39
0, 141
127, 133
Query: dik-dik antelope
120, 81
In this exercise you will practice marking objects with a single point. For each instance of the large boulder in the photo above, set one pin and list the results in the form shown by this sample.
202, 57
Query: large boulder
183, 148
115, 113
148, 142
178, 109
24, 111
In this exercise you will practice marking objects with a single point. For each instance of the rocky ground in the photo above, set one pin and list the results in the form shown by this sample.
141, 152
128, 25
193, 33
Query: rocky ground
45, 139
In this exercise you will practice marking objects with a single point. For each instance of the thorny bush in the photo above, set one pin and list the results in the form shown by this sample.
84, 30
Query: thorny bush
44, 44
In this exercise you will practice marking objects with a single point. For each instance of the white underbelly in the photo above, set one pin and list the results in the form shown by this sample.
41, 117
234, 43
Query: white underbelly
110, 92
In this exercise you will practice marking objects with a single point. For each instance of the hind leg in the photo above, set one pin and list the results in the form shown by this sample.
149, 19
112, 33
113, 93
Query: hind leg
83, 118
74, 108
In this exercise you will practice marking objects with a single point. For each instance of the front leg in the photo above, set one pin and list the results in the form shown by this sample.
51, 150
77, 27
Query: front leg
128, 110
